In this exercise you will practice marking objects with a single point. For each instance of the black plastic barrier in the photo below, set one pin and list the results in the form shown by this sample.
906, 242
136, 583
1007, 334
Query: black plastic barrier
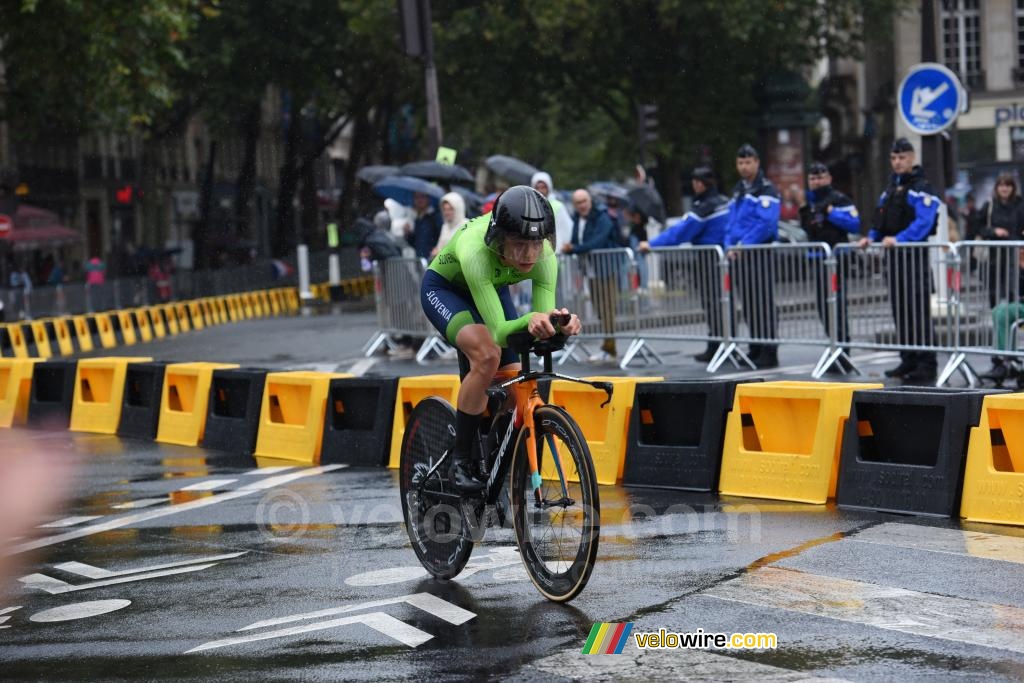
904, 449
675, 434
233, 411
140, 407
358, 421
53, 388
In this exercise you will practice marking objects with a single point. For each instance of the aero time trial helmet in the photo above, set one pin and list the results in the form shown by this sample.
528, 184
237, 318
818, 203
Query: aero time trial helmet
520, 212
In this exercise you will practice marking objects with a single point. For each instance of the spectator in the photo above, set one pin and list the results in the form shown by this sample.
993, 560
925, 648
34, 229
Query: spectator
970, 217
453, 213
829, 216
1002, 218
636, 223
907, 212
425, 228
593, 229
541, 182
160, 279
95, 276
704, 224
378, 244
754, 219
1004, 315
792, 200
55, 279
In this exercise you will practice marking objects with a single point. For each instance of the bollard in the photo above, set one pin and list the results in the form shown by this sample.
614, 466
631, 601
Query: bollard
99, 393
183, 403
357, 426
292, 416
83, 335
993, 488
53, 387
15, 390
233, 413
140, 407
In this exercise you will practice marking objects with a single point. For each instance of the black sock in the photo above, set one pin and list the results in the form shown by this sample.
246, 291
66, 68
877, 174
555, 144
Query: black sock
466, 426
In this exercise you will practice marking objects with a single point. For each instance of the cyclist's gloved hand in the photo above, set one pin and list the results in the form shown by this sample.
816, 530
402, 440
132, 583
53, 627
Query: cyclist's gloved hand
540, 326
566, 323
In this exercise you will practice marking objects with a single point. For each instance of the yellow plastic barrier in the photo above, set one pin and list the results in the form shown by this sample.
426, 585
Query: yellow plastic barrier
17, 337
171, 319
142, 324
156, 321
783, 439
212, 314
220, 309
15, 389
183, 404
994, 475
105, 328
412, 390
247, 306
99, 392
126, 320
181, 312
275, 302
41, 339
282, 303
291, 295
292, 415
264, 301
62, 335
605, 429
83, 335
195, 309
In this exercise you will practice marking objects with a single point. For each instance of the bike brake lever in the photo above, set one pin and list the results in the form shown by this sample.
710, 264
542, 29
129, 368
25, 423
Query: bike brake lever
608, 388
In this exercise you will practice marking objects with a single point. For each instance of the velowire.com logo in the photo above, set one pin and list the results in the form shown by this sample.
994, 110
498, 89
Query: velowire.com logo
608, 639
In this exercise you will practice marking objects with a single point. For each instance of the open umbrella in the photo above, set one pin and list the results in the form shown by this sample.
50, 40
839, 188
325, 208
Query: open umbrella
433, 170
371, 174
515, 170
647, 200
402, 187
605, 189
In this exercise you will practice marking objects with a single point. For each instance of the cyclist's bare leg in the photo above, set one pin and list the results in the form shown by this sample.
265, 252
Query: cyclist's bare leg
484, 355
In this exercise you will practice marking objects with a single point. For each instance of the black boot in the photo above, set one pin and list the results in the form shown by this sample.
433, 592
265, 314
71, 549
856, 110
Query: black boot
768, 358
708, 354
998, 373
461, 472
902, 370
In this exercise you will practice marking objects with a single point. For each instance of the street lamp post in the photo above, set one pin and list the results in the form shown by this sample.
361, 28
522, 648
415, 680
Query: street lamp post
418, 41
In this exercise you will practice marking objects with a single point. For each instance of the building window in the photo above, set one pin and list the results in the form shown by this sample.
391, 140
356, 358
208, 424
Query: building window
961, 40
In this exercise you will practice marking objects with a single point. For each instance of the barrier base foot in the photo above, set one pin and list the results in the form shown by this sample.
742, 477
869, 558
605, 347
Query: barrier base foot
957, 362
570, 350
639, 348
830, 357
433, 344
730, 351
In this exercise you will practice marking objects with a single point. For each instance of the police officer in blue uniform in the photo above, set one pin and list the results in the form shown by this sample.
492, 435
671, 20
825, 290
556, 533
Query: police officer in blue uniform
754, 219
907, 213
829, 216
703, 224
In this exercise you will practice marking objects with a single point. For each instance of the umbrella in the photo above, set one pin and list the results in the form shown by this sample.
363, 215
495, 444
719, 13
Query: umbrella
371, 174
516, 170
433, 170
402, 187
608, 190
473, 200
648, 202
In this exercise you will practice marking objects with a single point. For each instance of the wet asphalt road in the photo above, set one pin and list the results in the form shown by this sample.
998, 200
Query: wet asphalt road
172, 563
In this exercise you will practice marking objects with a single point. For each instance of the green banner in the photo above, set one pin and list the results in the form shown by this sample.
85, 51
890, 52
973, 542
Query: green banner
332, 235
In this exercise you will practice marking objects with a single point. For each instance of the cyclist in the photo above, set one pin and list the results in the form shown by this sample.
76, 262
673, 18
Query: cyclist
465, 295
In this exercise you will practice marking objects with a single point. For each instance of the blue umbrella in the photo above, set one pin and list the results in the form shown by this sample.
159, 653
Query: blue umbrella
401, 188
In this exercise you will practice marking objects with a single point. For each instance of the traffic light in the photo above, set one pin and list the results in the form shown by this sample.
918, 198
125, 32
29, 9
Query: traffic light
412, 14
126, 195
649, 122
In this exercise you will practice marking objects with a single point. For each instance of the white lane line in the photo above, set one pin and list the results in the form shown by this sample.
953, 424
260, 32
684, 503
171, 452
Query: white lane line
91, 572
378, 621
361, 366
208, 485
138, 504
128, 520
263, 471
895, 609
7, 610
79, 610
442, 609
69, 521
56, 586
951, 541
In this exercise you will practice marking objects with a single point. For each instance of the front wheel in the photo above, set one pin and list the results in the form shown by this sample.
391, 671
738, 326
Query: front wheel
430, 504
557, 526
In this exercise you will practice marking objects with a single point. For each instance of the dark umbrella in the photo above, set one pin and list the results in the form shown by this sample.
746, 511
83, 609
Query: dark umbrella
433, 170
515, 170
606, 190
648, 202
371, 174
402, 187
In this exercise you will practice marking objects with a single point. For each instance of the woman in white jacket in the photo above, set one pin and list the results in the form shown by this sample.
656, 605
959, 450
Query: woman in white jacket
453, 211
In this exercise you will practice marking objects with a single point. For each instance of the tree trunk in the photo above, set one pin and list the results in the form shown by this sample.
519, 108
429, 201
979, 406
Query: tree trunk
308, 233
362, 132
247, 173
283, 241
200, 236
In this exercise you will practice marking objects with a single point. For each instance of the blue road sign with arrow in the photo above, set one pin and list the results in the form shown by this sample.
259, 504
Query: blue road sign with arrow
930, 98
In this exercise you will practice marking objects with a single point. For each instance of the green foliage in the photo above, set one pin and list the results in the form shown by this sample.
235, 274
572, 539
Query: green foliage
80, 65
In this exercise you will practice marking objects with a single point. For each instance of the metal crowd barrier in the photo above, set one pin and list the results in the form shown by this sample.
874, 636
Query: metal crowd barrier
399, 312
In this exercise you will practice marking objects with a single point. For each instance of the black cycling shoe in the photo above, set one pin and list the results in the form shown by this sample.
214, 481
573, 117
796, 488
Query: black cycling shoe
462, 477
901, 370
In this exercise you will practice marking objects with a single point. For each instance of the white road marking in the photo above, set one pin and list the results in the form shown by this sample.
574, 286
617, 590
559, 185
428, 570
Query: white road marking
378, 621
263, 471
7, 610
128, 520
361, 366
951, 541
924, 614
80, 610
56, 586
69, 521
442, 609
208, 485
91, 572
137, 504
384, 577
